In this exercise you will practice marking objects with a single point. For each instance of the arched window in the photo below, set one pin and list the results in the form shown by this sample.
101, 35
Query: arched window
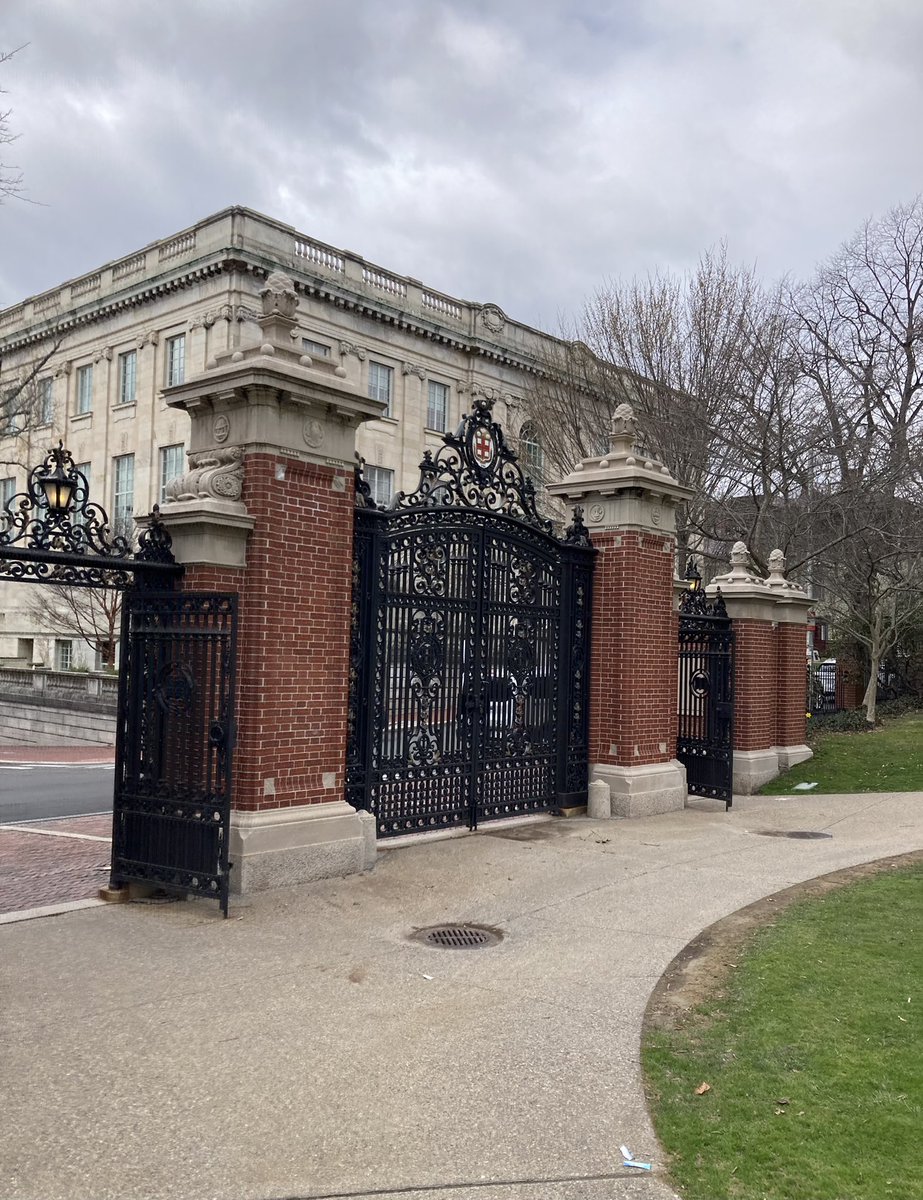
531, 454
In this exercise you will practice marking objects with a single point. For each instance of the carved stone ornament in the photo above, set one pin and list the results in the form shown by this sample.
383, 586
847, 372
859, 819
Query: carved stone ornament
776, 578
279, 295
221, 428
313, 432
492, 318
352, 348
409, 368
213, 475
243, 312
596, 513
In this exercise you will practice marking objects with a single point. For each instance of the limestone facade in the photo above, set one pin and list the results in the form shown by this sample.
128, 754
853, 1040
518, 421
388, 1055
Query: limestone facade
125, 331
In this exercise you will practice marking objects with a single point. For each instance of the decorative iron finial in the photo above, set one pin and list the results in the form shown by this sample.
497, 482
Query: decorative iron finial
577, 534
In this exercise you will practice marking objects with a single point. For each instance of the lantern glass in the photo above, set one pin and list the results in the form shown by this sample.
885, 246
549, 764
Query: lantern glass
59, 491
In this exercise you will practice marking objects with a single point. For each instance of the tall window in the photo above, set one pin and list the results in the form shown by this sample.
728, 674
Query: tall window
171, 465
7, 490
85, 389
437, 406
176, 359
128, 374
381, 384
123, 493
381, 483
63, 654
532, 454
45, 404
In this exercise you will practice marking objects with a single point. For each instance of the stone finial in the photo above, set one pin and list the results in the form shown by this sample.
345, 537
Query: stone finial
279, 296
776, 578
623, 431
741, 572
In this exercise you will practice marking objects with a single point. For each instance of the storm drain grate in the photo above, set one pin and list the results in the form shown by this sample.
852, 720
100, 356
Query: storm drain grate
458, 937
805, 834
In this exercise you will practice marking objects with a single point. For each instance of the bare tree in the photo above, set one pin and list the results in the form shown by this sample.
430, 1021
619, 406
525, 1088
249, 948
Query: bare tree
23, 398
11, 180
92, 614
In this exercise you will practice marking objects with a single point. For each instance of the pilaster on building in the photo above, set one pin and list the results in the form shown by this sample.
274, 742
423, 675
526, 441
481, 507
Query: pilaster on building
630, 500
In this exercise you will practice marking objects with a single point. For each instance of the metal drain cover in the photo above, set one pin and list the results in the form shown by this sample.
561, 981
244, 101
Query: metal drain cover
458, 937
805, 834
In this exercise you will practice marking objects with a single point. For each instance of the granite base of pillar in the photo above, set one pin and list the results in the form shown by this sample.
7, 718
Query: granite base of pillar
285, 846
643, 791
753, 768
790, 756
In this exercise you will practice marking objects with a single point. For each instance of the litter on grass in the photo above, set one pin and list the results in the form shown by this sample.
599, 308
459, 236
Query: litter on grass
804, 787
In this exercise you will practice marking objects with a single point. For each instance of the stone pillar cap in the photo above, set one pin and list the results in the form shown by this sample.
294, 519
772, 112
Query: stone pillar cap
622, 466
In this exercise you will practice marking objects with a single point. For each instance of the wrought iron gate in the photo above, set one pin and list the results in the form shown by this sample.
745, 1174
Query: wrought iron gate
175, 741
470, 646
175, 731
706, 692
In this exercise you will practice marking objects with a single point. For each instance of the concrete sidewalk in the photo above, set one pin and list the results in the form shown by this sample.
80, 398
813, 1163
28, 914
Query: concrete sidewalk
305, 1047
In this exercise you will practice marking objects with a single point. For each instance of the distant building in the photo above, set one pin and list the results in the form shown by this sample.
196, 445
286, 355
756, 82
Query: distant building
154, 318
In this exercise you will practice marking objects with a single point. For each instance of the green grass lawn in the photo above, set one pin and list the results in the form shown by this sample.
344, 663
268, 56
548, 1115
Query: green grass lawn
888, 759
814, 1057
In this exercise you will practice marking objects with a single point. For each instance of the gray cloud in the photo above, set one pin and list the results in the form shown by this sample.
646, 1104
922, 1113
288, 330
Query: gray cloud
518, 151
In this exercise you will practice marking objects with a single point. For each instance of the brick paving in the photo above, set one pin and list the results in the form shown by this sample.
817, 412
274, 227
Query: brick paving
56, 754
37, 869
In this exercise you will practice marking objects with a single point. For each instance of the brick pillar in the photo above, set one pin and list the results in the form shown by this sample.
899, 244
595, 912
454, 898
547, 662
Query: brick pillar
266, 510
751, 606
769, 620
792, 608
630, 503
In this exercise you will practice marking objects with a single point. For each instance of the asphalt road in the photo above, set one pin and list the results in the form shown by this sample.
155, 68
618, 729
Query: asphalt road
29, 793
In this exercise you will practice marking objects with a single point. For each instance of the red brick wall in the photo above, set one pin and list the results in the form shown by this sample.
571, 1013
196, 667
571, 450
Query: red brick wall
755, 684
792, 685
634, 651
293, 632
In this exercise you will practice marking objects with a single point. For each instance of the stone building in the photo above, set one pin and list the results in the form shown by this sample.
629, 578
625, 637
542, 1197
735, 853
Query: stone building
111, 340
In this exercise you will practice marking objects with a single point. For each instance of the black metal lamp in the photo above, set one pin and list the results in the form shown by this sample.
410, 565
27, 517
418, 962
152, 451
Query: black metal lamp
58, 486
693, 578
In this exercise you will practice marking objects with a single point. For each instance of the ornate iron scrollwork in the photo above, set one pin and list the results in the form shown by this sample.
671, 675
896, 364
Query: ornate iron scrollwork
80, 528
694, 602
73, 543
474, 468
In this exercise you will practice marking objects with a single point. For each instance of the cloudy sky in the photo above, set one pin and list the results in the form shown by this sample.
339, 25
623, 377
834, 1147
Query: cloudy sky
518, 151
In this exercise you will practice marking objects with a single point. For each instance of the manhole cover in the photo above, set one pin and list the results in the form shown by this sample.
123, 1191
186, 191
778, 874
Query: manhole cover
805, 834
458, 937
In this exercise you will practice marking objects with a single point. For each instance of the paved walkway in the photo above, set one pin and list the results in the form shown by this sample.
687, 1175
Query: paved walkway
306, 1047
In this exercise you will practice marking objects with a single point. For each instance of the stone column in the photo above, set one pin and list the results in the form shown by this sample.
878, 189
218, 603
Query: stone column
630, 501
792, 605
266, 509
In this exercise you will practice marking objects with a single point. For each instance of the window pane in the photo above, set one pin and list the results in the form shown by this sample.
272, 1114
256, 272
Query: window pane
533, 457
63, 655
7, 490
171, 466
380, 378
84, 389
176, 360
123, 494
437, 406
45, 401
381, 484
128, 369
317, 349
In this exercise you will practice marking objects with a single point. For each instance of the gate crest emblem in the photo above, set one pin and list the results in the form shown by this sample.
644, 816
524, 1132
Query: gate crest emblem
473, 468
